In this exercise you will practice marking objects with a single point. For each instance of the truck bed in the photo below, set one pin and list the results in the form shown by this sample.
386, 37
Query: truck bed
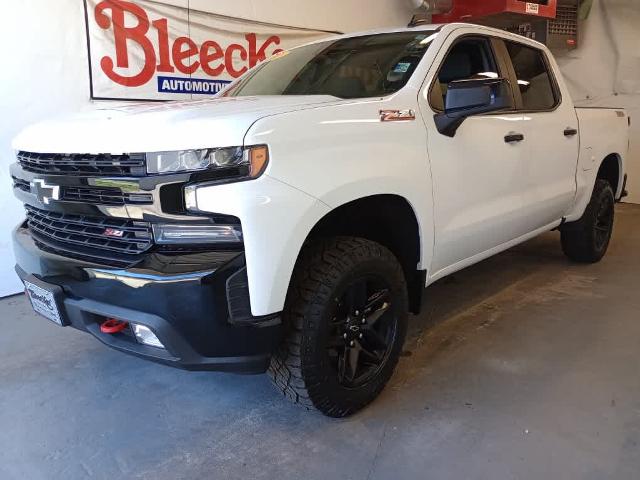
602, 132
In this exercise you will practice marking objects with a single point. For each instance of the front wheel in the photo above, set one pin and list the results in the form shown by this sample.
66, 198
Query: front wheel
587, 239
346, 316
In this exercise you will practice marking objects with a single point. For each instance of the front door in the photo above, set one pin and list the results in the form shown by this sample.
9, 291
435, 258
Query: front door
478, 174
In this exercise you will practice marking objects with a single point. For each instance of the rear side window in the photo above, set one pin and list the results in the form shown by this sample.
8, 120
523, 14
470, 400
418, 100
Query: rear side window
469, 58
534, 78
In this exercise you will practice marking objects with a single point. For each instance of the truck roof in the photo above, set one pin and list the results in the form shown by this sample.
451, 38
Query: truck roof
434, 27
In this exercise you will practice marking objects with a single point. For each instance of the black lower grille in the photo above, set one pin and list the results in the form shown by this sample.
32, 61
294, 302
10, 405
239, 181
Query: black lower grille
84, 164
105, 240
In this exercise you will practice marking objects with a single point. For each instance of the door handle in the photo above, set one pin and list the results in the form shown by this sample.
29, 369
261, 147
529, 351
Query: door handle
570, 132
513, 137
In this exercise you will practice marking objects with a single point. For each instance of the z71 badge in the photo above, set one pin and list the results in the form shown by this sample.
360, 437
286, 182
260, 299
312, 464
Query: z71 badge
397, 115
113, 232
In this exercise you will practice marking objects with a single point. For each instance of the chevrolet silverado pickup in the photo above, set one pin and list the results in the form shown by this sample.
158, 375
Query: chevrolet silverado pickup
290, 224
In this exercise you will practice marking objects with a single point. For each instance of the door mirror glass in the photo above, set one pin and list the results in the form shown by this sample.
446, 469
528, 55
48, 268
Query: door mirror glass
466, 98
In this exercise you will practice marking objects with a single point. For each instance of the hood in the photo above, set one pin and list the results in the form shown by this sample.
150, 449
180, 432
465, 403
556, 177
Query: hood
149, 127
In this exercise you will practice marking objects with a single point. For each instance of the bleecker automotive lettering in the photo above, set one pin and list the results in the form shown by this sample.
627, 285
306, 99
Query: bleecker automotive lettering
183, 55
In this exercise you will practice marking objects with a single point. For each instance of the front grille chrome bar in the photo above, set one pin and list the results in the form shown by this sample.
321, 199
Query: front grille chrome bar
132, 165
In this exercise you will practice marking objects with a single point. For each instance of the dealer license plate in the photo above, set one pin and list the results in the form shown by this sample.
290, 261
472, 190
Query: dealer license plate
43, 302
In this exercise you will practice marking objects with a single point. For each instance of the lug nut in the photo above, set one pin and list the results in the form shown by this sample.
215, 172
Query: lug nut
364, 321
352, 343
357, 312
344, 336
360, 336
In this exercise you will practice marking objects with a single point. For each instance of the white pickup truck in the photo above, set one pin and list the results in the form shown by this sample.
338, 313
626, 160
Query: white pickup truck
292, 223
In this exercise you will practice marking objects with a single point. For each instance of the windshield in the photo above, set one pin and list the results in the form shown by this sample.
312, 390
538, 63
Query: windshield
356, 67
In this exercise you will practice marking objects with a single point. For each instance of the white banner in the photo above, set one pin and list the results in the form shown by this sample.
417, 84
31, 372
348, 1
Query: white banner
156, 50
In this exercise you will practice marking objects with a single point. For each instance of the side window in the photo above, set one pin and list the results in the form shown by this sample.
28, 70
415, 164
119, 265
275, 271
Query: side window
534, 79
469, 58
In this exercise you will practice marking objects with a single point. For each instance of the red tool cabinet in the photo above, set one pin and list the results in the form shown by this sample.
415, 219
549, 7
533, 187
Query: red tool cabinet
474, 10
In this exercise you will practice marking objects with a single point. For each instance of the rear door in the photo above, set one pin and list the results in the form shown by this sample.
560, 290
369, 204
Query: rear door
551, 130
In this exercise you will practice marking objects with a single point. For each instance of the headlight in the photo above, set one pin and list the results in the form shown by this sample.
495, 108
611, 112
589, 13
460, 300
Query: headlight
253, 159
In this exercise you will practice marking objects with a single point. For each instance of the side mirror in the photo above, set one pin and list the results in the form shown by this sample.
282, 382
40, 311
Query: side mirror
466, 98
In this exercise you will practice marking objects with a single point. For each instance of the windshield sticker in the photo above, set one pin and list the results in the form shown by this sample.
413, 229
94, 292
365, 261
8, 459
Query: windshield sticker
402, 67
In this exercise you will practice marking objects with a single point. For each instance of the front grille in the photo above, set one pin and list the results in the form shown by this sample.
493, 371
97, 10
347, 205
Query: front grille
84, 237
105, 196
93, 195
133, 165
21, 184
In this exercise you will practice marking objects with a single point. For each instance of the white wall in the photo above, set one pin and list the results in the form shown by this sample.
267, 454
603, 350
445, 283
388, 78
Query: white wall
45, 67
44, 73
341, 15
605, 70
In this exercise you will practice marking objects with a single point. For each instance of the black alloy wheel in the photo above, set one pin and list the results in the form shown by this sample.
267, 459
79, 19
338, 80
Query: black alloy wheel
603, 224
362, 331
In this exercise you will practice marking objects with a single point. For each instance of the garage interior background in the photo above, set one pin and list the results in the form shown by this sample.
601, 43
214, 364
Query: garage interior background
44, 51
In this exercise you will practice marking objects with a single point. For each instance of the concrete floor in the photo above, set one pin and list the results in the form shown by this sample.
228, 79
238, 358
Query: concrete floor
524, 366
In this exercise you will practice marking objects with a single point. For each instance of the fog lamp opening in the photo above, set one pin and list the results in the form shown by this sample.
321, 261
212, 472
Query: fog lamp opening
145, 336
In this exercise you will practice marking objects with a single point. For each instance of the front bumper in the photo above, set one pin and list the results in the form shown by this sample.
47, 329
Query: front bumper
201, 316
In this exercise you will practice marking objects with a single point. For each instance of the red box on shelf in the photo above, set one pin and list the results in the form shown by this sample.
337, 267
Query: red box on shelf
469, 10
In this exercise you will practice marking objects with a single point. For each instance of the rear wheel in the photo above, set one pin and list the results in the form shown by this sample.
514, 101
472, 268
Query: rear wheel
587, 239
347, 315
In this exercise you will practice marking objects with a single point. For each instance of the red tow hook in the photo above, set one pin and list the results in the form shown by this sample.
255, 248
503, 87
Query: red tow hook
111, 325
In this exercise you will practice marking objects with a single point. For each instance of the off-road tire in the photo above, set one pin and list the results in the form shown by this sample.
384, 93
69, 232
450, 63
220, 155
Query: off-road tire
300, 368
580, 241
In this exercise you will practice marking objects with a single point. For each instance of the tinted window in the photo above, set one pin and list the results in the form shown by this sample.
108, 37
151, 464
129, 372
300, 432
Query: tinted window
470, 58
533, 76
367, 66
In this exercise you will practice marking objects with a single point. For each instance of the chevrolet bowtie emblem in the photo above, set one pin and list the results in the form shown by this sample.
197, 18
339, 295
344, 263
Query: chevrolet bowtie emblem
45, 192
